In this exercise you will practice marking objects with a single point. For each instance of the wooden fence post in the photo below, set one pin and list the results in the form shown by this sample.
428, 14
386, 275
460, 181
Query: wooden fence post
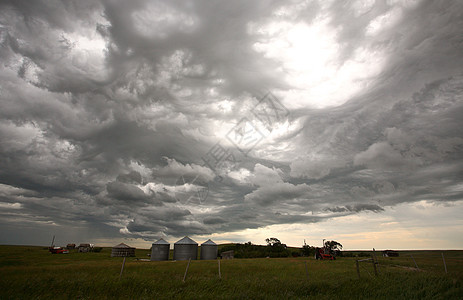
220, 274
414, 262
186, 271
374, 265
358, 269
122, 269
376, 259
445, 265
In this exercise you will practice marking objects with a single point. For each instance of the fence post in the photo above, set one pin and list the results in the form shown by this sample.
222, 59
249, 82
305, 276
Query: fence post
220, 274
374, 264
376, 259
414, 262
445, 265
122, 269
358, 269
186, 271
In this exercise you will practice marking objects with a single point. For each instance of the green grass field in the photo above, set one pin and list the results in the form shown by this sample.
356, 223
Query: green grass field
28, 272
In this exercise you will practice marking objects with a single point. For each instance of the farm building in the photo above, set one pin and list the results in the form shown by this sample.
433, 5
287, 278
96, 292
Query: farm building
390, 253
122, 250
71, 246
185, 249
228, 254
160, 250
209, 250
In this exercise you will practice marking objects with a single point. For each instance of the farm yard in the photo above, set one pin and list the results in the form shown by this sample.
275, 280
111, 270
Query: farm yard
29, 272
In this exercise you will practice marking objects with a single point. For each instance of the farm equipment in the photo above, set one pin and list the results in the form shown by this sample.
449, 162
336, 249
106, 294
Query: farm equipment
320, 254
323, 253
57, 250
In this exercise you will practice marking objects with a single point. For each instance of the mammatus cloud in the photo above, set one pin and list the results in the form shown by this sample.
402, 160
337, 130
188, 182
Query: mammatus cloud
108, 110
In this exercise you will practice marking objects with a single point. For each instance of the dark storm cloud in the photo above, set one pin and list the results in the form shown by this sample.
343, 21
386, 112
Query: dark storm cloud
213, 220
107, 109
126, 192
132, 177
356, 208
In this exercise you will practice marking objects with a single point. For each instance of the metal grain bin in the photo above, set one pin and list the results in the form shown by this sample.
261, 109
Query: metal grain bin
185, 249
122, 250
160, 250
209, 250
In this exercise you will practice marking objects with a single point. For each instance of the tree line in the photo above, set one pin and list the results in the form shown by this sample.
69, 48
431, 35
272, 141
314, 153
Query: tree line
275, 248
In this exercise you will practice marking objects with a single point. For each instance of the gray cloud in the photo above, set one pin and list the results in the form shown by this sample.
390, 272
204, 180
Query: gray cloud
132, 177
356, 208
123, 191
107, 107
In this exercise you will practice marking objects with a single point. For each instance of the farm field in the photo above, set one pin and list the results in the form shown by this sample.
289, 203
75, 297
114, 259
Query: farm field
28, 272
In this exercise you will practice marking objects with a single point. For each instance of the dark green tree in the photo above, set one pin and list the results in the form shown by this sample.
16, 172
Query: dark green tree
273, 242
308, 250
333, 246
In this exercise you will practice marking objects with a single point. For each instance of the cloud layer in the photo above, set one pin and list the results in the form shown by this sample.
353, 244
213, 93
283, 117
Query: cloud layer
112, 114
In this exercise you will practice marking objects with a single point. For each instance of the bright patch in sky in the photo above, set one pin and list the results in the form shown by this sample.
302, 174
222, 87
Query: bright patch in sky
310, 56
158, 19
88, 54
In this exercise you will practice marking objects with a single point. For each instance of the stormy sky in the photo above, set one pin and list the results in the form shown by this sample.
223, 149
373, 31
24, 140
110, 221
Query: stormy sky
232, 120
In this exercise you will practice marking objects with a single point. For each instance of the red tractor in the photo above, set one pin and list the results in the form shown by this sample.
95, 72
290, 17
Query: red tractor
324, 253
58, 250
320, 254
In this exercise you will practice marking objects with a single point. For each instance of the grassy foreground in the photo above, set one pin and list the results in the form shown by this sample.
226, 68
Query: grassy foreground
28, 272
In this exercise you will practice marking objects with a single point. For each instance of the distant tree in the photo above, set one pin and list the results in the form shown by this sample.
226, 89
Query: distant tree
333, 246
273, 242
308, 250
295, 254
274, 248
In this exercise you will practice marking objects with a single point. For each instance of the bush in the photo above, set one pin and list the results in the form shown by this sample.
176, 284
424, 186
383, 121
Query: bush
308, 250
295, 254
248, 250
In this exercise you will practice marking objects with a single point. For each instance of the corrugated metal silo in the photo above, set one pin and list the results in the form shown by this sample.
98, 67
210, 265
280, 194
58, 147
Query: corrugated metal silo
160, 250
122, 250
209, 250
185, 249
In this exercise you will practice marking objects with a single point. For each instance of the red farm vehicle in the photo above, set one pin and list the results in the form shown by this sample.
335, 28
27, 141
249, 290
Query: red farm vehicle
57, 250
324, 253
320, 254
